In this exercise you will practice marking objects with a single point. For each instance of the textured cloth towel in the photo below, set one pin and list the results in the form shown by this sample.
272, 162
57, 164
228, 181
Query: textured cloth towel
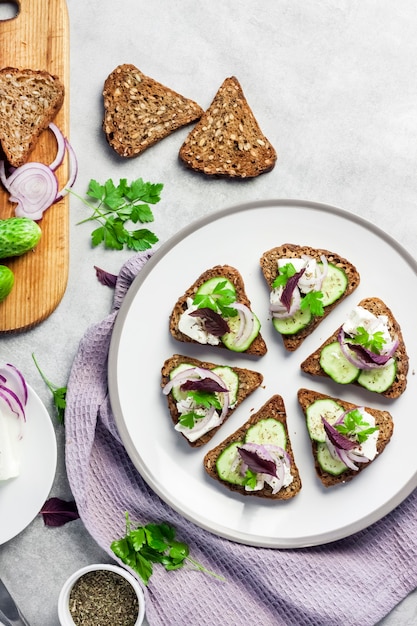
353, 581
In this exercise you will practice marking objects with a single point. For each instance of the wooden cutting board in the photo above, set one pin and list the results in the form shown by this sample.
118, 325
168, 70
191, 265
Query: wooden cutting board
38, 38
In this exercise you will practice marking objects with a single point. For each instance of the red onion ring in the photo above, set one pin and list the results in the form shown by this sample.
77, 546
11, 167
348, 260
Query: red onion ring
246, 323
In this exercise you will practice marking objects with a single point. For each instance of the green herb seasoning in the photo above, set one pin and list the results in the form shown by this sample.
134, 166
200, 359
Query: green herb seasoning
103, 598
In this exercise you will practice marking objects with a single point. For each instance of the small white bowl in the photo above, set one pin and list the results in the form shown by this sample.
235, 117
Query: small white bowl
64, 614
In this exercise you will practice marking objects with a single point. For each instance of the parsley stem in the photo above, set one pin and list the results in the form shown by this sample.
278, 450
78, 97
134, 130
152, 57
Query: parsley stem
201, 568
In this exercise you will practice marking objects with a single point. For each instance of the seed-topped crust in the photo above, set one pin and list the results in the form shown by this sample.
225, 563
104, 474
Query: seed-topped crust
139, 111
227, 141
29, 101
269, 267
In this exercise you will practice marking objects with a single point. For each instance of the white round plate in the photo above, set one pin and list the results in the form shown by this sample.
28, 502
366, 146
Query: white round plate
22, 498
141, 342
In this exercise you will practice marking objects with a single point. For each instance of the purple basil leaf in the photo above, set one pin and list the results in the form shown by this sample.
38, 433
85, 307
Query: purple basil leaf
289, 289
337, 439
105, 278
367, 356
213, 322
205, 384
256, 463
57, 512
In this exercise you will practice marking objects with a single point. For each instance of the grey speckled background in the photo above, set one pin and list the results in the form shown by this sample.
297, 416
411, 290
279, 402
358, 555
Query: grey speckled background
333, 85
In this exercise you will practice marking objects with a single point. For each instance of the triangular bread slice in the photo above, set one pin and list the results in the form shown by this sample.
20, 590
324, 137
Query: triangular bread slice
258, 346
139, 111
273, 409
269, 267
227, 141
249, 381
311, 365
383, 421
29, 101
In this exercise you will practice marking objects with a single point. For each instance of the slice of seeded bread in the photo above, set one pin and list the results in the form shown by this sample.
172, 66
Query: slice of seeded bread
227, 141
29, 101
273, 408
139, 111
269, 268
249, 380
311, 365
258, 346
383, 420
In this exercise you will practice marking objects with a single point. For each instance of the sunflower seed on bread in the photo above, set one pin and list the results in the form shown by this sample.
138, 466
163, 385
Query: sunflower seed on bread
383, 421
249, 381
139, 111
269, 267
227, 141
29, 101
273, 409
311, 365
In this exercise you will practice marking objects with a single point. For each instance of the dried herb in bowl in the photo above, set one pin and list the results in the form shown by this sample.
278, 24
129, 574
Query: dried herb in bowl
104, 598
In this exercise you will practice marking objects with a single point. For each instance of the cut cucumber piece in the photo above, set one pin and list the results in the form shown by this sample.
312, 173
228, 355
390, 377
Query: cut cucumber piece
225, 462
327, 462
293, 324
324, 407
231, 380
378, 380
334, 285
229, 338
336, 365
267, 431
209, 286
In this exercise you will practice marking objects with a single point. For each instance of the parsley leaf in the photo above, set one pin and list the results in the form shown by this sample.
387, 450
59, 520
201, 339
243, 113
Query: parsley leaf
355, 426
153, 543
313, 300
114, 207
58, 394
250, 479
218, 300
285, 272
373, 342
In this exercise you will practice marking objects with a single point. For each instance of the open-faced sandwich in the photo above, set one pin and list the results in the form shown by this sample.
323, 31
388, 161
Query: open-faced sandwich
367, 350
305, 284
201, 395
257, 459
345, 438
216, 311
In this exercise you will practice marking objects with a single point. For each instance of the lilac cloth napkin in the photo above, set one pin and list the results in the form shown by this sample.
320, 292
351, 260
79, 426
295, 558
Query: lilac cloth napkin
353, 581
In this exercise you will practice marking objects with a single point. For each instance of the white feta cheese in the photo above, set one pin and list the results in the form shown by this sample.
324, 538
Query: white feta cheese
193, 327
361, 317
202, 425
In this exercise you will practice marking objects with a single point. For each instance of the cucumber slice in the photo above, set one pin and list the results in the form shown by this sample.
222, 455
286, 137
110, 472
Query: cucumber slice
224, 464
378, 380
334, 285
177, 394
327, 462
336, 365
267, 431
231, 380
209, 286
324, 407
293, 324
229, 338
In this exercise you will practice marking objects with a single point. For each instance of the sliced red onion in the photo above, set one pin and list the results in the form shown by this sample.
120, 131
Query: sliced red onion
73, 172
60, 140
246, 323
12, 401
13, 378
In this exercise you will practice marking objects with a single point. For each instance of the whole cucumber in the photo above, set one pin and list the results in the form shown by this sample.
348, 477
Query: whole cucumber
17, 236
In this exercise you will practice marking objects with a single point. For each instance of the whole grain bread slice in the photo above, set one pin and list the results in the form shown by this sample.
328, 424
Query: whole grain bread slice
383, 420
227, 141
311, 365
139, 111
269, 267
29, 101
258, 346
249, 381
274, 408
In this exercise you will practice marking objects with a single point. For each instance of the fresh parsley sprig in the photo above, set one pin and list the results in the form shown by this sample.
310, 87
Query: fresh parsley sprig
58, 394
285, 272
113, 206
355, 426
218, 300
143, 546
372, 341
